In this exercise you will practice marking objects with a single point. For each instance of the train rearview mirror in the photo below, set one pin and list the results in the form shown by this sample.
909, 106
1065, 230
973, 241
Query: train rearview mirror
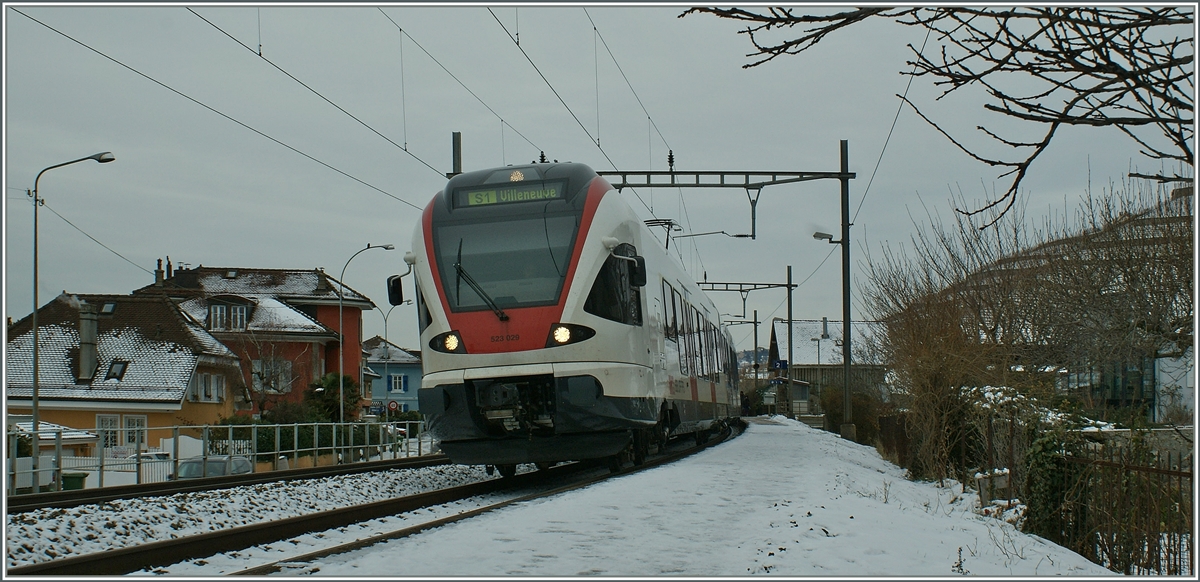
395, 289
638, 274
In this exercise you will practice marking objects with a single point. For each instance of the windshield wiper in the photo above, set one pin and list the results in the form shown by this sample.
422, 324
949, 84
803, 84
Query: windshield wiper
461, 274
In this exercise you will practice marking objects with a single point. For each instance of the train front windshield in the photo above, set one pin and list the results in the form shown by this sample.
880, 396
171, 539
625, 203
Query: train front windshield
518, 261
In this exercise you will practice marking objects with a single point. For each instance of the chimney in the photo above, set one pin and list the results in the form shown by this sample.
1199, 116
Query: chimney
824, 328
158, 275
170, 271
87, 342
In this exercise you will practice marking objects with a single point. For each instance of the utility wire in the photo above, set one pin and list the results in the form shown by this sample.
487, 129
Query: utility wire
318, 94
64, 219
210, 108
877, 162
903, 100
623, 76
594, 141
453, 76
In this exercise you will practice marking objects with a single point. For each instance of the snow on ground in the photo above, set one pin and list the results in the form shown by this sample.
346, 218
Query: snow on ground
38, 536
782, 499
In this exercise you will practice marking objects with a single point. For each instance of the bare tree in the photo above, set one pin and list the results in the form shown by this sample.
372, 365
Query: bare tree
1125, 67
274, 372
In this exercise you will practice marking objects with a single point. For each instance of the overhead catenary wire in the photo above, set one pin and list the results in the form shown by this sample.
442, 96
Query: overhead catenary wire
216, 111
403, 148
456, 79
594, 140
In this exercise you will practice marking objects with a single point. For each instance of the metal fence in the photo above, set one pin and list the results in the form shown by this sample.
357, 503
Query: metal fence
1130, 510
268, 447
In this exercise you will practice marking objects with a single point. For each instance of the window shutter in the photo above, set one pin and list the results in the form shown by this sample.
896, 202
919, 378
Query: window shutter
404, 383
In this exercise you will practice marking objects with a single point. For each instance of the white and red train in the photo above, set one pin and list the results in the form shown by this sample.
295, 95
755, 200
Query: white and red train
554, 325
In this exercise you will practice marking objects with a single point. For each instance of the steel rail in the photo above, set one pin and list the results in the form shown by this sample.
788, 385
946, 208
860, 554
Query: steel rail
63, 499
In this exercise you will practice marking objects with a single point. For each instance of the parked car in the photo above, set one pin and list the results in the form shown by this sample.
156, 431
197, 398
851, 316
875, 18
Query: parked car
397, 430
195, 467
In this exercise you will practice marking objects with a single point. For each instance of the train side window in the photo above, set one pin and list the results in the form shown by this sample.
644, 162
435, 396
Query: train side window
423, 317
670, 327
676, 308
613, 295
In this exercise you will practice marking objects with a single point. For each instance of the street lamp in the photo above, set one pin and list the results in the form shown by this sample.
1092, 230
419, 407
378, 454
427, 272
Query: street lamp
103, 158
848, 429
342, 331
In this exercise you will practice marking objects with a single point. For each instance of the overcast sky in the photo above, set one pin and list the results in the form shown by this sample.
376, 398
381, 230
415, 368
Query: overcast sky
202, 188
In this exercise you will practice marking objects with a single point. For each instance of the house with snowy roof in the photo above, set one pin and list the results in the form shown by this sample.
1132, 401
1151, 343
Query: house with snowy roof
816, 358
128, 367
397, 377
282, 323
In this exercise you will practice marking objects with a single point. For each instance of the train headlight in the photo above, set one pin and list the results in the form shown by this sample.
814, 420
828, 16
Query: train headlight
449, 343
562, 334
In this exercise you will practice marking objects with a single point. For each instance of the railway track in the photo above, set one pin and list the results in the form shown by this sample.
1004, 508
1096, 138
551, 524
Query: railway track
148, 556
64, 499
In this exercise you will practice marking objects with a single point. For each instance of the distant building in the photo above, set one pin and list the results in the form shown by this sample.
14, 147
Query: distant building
397, 376
281, 323
120, 364
818, 363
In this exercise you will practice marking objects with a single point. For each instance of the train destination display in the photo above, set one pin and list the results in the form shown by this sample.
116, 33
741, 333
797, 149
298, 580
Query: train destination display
505, 194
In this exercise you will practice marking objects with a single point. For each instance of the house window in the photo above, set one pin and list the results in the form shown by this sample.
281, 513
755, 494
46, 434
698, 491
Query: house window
116, 370
107, 428
403, 408
237, 317
399, 383
217, 317
135, 430
210, 387
108, 308
272, 376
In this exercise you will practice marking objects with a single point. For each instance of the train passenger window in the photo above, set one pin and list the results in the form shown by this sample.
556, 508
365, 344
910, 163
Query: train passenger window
670, 324
423, 317
613, 296
676, 310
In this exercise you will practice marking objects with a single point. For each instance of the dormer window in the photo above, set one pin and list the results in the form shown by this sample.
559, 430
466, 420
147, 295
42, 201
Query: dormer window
237, 317
231, 274
228, 313
218, 317
108, 308
116, 370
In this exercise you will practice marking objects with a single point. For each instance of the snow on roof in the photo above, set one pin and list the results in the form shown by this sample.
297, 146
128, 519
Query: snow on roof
287, 284
68, 433
158, 344
267, 314
155, 370
805, 331
379, 350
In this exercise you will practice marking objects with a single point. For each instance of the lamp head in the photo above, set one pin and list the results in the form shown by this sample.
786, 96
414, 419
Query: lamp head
823, 236
103, 157
388, 247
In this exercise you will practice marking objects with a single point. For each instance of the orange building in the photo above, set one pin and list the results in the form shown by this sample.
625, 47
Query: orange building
128, 367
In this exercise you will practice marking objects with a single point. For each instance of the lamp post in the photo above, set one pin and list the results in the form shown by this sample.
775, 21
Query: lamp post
848, 429
103, 158
342, 331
